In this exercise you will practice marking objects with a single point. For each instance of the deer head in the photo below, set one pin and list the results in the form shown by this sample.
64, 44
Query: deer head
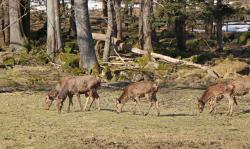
48, 102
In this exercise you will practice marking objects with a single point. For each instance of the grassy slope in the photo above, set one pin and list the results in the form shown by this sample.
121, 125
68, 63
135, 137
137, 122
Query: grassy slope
24, 124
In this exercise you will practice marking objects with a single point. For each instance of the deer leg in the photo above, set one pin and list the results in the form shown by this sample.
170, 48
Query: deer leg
70, 102
98, 104
150, 105
230, 105
93, 99
235, 101
138, 104
59, 105
86, 103
157, 105
135, 102
79, 100
212, 105
150, 99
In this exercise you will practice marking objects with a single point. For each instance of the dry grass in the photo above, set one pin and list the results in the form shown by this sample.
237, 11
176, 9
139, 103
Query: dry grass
24, 124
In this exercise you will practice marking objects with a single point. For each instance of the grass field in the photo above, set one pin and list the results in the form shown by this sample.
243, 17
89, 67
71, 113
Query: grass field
24, 124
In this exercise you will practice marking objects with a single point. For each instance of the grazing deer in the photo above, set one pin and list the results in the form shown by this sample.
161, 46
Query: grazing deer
214, 94
79, 85
52, 94
137, 90
241, 87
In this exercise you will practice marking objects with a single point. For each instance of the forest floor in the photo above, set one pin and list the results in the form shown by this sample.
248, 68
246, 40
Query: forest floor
25, 124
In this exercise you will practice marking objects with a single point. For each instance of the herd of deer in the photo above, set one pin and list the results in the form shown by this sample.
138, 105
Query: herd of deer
87, 85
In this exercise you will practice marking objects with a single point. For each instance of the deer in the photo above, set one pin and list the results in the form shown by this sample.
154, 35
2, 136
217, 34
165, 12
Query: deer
137, 90
241, 87
52, 94
215, 93
86, 84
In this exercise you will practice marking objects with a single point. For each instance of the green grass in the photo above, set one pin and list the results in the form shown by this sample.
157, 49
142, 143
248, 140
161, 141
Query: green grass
25, 124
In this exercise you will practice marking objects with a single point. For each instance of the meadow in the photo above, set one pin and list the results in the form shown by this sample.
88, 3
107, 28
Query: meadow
25, 124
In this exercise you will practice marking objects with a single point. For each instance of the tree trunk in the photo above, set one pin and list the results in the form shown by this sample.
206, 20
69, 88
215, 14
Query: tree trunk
180, 33
140, 36
219, 27
209, 29
104, 8
72, 20
54, 40
25, 12
147, 29
114, 17
6, 22
131, 10
126, 9
18, 40
85, 41
63, 6
106, 52
1, 25
118, 19
209, 23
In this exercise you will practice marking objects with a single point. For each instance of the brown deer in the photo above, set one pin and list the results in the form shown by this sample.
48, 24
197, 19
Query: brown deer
214, 94
137, 90
79, 85
241, 87
52, 94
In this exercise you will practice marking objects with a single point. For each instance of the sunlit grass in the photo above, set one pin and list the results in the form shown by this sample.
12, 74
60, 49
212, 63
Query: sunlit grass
25, 124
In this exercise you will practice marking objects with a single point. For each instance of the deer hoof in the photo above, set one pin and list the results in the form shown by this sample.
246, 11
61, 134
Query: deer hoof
145, 114
158, 114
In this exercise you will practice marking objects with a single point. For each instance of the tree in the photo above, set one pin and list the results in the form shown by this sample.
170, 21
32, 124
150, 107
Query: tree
54, 40
180, 32
118, 19
140, 36
18, 40
147, 29
104, 8
174, 12
209, 19
72, 20
25, 13
107, 45
2, 42
219, 24
85, 41
6, 23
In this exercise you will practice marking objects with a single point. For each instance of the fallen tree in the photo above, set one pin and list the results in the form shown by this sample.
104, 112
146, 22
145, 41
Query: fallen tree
176, 61
119, 44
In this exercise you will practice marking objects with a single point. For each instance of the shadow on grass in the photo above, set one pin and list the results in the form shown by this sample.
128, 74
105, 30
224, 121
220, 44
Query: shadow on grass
109, 110
245, 111
179, 114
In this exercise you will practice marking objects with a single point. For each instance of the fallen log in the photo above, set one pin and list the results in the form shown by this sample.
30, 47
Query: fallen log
176, 61
102, 37
119, 44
